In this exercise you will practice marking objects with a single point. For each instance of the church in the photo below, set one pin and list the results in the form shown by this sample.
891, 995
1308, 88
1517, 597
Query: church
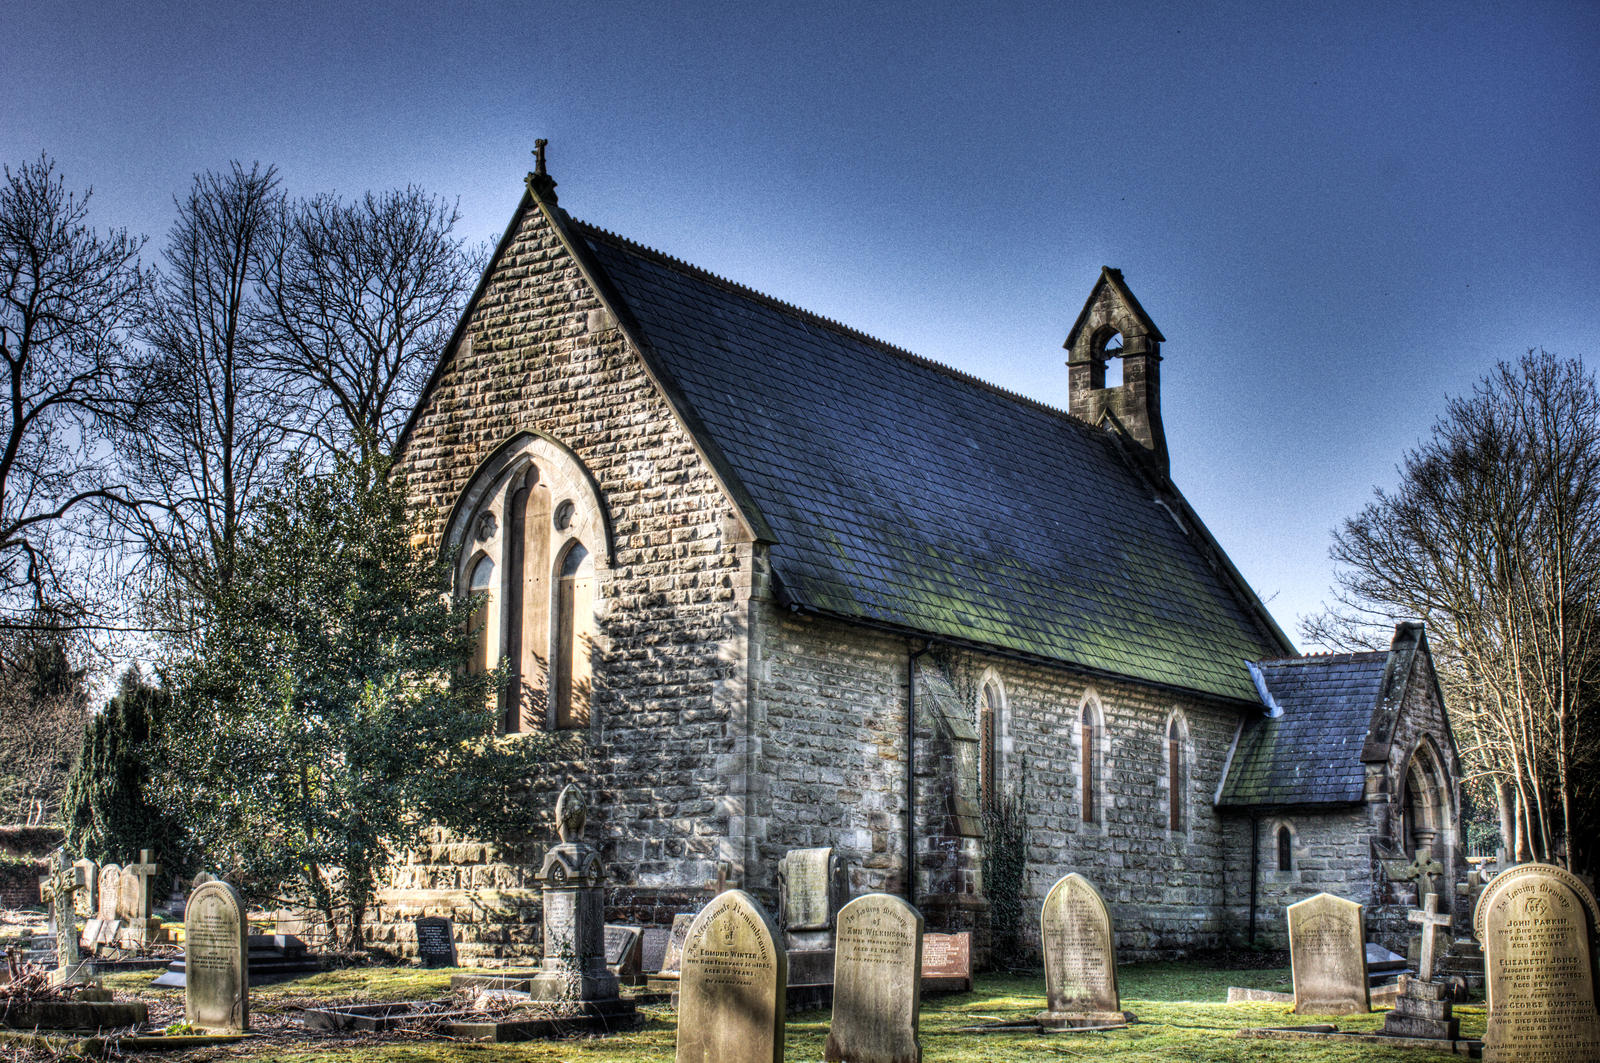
770, 583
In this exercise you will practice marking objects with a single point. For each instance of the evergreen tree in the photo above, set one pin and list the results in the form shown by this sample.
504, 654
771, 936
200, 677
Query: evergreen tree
112, 808
327, 715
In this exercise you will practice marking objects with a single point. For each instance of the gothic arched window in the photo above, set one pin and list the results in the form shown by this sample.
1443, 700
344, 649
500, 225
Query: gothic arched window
1285, 848
574, 635
988, 742
1090, 767
531, 531
481, 582
1177, 775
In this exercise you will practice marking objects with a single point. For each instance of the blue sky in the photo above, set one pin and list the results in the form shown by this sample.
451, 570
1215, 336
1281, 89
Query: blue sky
1338, 214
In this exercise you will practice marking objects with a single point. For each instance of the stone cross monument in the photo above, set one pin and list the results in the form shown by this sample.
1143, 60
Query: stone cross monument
1431, 919
66, 880
1422, 1008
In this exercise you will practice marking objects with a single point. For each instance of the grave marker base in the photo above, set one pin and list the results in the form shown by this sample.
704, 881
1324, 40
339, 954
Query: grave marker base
1470, 1049
1060, 1020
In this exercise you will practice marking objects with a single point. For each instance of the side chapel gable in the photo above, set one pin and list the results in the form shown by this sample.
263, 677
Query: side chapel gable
1410, 663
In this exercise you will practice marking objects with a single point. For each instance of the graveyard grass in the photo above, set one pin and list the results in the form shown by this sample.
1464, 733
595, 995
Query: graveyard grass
1181, 1011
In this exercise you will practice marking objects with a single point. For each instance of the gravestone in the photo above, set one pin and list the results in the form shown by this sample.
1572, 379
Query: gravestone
1080, 957
731, 997
877, 982
573, 969
65, 881
110, 891
1537, 924
812, 887
672, 959
653, 948
1421, 1005
216, 993
947, 962
136, 903
436, 942
88, 898
1328, 954
91, 933
622, 953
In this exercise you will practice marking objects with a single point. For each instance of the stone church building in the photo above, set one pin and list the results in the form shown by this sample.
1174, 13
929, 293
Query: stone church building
771, 583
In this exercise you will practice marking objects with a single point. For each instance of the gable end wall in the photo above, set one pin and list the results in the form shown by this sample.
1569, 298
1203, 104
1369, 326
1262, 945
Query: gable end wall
541, 353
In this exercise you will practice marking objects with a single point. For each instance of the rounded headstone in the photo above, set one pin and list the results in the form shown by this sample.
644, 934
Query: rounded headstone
1537, 925
877, 982
216, 959
109, 891
734, 985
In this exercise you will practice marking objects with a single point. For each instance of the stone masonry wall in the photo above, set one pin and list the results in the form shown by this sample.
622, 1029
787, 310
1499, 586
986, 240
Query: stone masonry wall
542, 354
834, 699
1330, 852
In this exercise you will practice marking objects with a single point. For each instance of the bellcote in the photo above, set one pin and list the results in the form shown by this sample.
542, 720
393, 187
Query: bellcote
1111, 325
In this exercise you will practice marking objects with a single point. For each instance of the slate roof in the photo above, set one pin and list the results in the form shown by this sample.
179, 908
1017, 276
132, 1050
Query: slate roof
903, 493
1311, 754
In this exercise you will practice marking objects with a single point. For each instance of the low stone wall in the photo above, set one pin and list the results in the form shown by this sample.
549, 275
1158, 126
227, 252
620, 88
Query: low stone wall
504, 927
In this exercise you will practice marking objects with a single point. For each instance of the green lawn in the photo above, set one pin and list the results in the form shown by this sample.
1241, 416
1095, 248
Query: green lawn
1180, 1008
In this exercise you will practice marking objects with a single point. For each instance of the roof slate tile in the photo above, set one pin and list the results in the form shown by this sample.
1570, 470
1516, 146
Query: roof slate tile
904, 493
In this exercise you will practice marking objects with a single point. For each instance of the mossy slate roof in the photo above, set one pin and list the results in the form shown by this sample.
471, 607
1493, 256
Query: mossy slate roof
1311, 754
904, 493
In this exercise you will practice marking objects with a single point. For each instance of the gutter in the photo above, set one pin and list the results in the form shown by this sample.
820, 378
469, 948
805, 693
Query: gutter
911, 770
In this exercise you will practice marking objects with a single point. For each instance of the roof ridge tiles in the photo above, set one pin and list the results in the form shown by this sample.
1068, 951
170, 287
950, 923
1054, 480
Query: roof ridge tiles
1332, 656
838, 326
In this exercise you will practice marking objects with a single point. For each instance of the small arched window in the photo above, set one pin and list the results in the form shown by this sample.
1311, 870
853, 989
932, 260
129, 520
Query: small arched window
574, 637
988, 740
1089, 731
1177, 775
1285, 848
481, 582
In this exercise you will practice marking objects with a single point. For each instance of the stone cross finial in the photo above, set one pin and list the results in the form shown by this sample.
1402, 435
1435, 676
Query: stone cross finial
63, 882
538, 156
143, 871
571, 812
1422, 869
1431, 919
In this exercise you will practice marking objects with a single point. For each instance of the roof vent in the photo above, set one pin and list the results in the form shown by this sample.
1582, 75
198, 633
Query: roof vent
1274, 710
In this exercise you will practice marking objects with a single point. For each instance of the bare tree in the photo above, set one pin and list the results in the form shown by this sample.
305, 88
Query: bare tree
69, 295
1493, 539
43, 709
209, 424
362, 298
